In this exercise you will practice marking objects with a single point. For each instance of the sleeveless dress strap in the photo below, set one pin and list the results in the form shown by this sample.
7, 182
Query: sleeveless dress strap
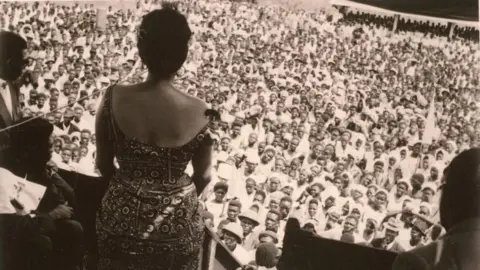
109, 114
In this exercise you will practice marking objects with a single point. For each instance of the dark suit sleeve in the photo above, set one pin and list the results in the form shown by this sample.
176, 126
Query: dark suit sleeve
409, 261
65, 188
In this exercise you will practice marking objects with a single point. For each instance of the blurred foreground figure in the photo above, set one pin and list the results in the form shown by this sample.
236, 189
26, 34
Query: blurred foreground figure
460, 215
12, 63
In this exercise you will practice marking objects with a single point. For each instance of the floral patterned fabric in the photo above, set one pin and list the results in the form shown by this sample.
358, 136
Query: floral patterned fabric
149, 217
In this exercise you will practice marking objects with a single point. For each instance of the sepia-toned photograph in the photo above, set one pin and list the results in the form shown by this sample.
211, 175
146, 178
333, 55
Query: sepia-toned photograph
240, 135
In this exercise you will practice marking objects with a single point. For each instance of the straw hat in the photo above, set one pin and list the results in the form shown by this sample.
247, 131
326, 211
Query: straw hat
235, 229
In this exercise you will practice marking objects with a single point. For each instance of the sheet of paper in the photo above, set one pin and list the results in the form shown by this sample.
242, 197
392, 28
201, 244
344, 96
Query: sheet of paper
25, 192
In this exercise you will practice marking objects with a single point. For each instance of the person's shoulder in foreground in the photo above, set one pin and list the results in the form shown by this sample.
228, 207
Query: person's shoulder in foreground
460, 215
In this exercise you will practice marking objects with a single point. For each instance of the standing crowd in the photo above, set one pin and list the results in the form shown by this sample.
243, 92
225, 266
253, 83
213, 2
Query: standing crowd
343, 125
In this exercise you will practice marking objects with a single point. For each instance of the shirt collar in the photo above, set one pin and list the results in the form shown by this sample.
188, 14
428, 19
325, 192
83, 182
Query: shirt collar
2, 82
389, 246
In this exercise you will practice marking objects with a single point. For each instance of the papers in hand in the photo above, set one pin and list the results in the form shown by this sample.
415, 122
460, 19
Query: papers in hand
12, 187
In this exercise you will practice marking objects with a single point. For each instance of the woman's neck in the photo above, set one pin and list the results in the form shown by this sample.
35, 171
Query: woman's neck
157, 81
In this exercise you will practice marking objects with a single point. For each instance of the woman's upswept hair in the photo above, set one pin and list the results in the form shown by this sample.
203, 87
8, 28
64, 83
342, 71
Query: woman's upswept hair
163, 40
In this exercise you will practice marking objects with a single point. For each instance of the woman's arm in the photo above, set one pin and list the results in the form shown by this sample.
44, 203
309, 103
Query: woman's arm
105, 151
202, 164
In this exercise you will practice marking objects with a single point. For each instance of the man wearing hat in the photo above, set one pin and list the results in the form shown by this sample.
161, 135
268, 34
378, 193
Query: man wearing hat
232, 238
459, 215
248, 221
418, 234
12, 63
388, 242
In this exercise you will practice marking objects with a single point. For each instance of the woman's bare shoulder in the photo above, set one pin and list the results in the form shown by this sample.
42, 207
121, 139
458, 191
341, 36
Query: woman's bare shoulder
197, 108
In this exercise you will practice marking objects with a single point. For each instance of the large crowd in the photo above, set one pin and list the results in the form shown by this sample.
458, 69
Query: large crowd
337, 122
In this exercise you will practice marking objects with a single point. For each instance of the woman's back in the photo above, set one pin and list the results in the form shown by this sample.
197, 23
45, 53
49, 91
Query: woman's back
150, 196
157, 130
158, 114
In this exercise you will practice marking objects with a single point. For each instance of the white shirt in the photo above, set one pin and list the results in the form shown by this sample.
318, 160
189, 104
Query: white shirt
241, 255
7, 97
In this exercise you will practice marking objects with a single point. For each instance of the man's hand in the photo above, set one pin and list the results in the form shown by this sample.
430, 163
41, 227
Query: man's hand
62, 211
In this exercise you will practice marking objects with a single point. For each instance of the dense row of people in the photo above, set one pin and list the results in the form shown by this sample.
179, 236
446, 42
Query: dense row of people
338, 123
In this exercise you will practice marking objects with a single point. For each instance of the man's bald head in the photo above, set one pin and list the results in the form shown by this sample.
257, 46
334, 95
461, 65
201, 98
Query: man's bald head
12, 59
461, 192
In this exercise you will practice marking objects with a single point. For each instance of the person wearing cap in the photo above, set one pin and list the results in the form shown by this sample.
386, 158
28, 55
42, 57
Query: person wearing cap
248, 221
428, 192
398, 195
249, 168
273, 188
418, 234
232, 238
459, 215
389, 241
332, 216
416, 182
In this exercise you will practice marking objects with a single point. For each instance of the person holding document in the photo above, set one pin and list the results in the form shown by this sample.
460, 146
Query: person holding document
29, 156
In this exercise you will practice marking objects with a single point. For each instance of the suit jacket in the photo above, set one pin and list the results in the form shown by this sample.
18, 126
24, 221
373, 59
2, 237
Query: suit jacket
459, 249
72, 128
6, 119
58, 192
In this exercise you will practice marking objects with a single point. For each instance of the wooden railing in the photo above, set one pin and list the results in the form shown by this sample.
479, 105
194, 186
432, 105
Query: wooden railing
215, 255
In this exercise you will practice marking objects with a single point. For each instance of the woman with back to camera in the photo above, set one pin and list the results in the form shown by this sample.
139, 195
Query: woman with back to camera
149, 217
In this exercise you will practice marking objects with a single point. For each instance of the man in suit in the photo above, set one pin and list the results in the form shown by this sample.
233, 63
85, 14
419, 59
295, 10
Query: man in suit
389, 241
12, 63
460, 215
67, 125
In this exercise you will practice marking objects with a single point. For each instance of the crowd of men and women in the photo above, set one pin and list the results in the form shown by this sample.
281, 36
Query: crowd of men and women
343, 125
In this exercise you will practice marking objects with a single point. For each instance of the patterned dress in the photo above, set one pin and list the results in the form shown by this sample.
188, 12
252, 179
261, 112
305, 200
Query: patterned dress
150, 216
